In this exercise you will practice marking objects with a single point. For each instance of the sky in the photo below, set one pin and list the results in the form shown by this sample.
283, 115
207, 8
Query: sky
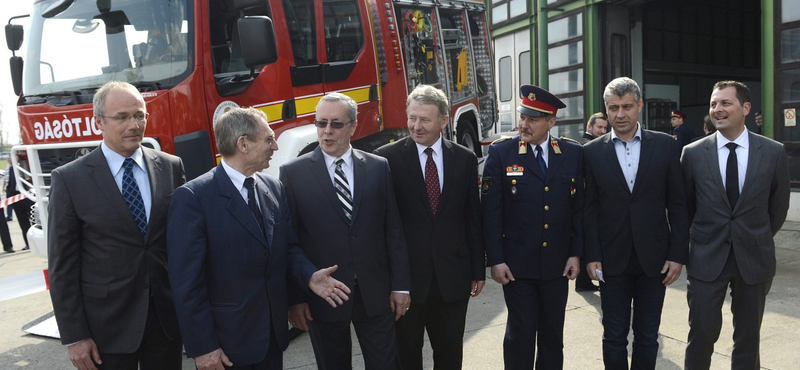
10, 124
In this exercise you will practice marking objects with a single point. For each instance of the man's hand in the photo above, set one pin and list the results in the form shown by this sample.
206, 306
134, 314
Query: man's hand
572, 269
328, 288
212, 361
477, 287
399, 302
299, 314
502, 274
591, 266
84, 355
673, 271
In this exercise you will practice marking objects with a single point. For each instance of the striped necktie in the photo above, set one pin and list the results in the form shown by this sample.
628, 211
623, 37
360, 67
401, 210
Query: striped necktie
343, 190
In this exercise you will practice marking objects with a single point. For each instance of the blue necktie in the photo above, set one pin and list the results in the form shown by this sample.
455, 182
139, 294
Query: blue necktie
133, 197
540, 159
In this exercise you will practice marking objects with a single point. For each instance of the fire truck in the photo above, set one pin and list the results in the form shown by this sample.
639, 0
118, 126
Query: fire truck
193, 60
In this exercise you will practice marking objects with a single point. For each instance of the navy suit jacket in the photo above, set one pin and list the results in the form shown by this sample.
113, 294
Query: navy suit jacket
653, 218
228, 277
371, 248
533, 223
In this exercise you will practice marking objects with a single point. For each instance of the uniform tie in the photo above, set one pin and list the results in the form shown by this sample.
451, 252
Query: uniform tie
133, 197
343, 190
732, 175
432, 181
540, 159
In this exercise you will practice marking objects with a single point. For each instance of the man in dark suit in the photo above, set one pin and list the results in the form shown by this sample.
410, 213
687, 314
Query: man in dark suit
107, 244
22, 208
437, 194
532, 191
682, 133
345, 213
636, 226
737, 185
596, 127
230, 242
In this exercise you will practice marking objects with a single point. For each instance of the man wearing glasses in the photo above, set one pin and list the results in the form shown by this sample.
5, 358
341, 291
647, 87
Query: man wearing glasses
107, 244
344, 212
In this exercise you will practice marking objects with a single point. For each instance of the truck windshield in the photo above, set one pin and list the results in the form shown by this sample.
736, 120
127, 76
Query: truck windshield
144, 42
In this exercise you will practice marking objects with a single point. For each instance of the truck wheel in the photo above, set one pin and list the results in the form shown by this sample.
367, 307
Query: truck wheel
468, 138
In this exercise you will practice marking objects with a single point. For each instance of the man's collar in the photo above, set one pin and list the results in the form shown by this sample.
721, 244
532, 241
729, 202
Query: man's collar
347, 157
115, 159
437, 147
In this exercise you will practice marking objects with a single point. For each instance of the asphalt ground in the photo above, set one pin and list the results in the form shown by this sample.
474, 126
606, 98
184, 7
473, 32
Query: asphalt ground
483, 340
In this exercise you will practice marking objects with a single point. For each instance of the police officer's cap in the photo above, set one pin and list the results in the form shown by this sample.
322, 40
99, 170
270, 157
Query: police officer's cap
538, 102
677, 113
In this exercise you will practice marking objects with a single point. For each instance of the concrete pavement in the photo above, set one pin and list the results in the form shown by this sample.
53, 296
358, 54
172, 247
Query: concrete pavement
483, 349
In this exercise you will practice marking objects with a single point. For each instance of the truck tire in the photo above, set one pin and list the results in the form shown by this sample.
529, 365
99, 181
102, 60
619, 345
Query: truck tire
468, 138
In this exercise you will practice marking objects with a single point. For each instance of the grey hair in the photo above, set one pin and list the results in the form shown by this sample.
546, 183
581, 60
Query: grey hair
99, 100
235, 123
352, 107
427, 94
621, 86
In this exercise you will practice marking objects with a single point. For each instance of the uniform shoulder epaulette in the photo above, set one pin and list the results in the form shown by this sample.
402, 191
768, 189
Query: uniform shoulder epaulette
569, 139
502, 138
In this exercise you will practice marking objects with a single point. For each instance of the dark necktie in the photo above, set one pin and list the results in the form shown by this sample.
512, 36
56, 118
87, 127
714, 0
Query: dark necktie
343, 189
432, 181
540, 159
250, 184
732, 175
133, 197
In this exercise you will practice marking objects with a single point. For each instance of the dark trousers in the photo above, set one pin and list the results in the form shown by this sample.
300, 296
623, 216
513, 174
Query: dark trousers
5, 236
272, 361
536, 311
157, 351
376, 335
705, 318
23, 211
445, 324
645, 294
583, 280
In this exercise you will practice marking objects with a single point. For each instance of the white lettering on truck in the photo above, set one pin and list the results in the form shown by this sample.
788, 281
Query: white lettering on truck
65, 128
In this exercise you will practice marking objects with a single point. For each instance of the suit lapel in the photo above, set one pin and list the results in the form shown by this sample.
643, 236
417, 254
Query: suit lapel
360, 178
414, 170
553, 161
529, 161
236, 204
448, 167
754, 154
101, 175
323, 177
712, 166
157, 188
645, 155
267, 201
613, 162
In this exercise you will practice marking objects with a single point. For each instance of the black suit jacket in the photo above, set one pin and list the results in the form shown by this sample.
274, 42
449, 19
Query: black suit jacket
102, 274
371, 248
229, 277
450, 243
653, 218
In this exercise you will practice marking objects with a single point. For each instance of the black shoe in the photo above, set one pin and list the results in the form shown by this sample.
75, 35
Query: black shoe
587, 288
26, 248
9, 250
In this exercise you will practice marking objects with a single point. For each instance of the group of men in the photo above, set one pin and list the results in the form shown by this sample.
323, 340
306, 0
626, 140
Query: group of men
143, 262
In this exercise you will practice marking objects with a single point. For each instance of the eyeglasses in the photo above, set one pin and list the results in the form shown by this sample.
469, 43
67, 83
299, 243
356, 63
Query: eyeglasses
334, 124
139, 117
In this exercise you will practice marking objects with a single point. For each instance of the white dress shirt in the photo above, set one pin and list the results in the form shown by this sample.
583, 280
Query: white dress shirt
628, 154
743, 142
237, 178
347, 168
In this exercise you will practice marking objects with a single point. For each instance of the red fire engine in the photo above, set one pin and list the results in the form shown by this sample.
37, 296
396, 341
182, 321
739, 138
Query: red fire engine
192, 60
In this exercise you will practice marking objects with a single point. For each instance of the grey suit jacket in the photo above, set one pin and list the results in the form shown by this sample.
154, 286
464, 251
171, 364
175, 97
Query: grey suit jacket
371, 248
750, 224
102, 274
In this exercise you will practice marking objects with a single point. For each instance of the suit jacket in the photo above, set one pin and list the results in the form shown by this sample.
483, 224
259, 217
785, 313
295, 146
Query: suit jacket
102, 274
750, 224
371, 248
683, 135
653, 218
533, 223
228, 277
449, 243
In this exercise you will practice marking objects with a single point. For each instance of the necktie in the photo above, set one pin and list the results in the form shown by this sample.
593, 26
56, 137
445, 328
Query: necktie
250, 184
343, 189
432, 181
133, 197
540, 159
732, 175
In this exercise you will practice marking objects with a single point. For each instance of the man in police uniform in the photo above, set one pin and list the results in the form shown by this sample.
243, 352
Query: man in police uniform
682, 133
532, 197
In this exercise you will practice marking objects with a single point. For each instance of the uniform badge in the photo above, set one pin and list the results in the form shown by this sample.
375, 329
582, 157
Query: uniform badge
514, 170
514, 190
486, 185
523, 147
572, 191
554, 144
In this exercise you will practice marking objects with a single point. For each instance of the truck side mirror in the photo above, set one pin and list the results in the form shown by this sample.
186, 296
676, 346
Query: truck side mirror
14, 34
16, 73
260, 35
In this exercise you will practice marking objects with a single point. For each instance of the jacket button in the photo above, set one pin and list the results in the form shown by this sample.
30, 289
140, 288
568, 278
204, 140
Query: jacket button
544, 244
546, 226
546, 188
546, 208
